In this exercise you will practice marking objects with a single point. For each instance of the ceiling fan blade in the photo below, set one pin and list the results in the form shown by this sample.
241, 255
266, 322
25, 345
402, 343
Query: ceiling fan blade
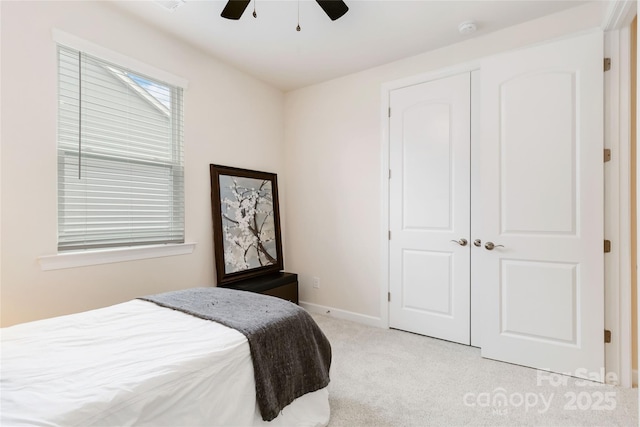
333, 8
234, 9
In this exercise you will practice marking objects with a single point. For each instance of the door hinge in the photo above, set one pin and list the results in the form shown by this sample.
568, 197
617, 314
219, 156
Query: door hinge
607, 155
389, 111
607, 64
389, 173
389, 234
389, 296
607, 246
607, 336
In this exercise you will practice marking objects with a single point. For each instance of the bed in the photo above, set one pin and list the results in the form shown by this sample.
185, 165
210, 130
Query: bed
141, 363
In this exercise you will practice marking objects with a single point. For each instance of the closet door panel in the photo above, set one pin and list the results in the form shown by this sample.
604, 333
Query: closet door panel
427, 281
429, 208
426, 172
542, 206
538, 153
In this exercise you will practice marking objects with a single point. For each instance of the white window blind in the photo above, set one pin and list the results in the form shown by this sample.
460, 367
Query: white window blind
120, 156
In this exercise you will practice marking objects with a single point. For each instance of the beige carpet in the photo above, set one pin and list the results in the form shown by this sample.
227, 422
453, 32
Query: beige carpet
382, 377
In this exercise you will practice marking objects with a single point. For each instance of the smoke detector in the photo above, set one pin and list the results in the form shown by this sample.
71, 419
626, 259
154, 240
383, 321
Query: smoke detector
467, 27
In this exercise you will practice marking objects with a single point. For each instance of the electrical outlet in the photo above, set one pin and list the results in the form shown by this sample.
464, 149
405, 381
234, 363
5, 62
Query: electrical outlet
316, 283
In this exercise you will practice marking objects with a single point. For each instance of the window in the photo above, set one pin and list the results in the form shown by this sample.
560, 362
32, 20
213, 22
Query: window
120, 156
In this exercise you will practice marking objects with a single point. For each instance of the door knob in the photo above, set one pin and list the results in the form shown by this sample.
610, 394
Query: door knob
477, 243
490, 246
461, 242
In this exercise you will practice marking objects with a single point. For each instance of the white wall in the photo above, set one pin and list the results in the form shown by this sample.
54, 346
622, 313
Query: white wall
330, 177
230, 119
334, 165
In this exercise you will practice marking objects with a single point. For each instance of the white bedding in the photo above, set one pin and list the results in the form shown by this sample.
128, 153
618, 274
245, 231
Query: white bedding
135, 364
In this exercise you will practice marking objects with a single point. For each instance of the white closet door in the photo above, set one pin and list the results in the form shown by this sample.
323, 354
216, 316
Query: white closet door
429, 208
542, 199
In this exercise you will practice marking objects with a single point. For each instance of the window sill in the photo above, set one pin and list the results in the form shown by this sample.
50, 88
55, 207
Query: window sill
107, 256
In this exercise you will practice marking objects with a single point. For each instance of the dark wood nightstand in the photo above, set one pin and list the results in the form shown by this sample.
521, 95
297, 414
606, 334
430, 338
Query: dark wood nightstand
281, 285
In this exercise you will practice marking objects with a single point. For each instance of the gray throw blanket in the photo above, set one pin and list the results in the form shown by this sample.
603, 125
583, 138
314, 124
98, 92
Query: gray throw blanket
291, 356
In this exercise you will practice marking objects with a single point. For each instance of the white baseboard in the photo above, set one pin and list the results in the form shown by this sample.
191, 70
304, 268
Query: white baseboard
635, 378
343, 314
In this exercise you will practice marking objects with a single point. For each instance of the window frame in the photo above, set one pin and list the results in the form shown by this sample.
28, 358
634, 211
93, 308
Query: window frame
133, 250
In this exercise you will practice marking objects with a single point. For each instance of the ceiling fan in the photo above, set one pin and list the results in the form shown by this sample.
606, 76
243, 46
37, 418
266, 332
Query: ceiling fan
333, 8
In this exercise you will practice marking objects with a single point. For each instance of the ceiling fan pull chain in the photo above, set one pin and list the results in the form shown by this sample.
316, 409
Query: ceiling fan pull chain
255, 15
298, 27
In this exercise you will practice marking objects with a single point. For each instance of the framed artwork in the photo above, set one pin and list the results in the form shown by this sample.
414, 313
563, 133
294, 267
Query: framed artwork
246, 223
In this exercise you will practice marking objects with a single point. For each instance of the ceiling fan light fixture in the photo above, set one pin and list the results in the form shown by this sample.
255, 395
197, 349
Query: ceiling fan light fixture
467, 27
235, 8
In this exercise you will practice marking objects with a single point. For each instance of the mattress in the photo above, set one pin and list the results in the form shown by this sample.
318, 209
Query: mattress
135, 363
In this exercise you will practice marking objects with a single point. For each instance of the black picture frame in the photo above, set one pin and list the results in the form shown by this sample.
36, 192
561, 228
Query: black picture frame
246, 223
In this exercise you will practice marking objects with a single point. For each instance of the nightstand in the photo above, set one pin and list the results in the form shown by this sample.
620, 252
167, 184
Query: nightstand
281, 285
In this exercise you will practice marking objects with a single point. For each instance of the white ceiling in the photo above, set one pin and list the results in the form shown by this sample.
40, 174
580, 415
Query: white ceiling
371, 33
